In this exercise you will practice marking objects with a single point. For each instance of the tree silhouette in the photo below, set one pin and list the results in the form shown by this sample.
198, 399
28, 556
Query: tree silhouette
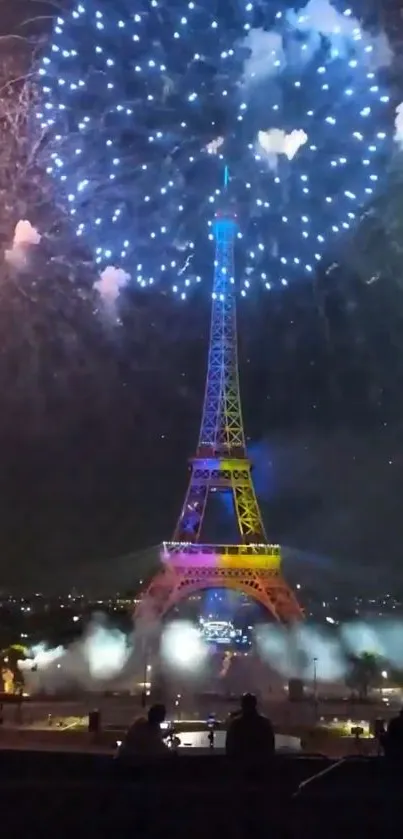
364, 674
53, 343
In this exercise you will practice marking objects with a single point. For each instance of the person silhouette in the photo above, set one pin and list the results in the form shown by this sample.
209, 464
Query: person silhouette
250, 736
143, 739
392, 739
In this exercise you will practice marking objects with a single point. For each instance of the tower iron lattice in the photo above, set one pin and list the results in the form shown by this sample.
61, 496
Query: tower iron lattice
221, 464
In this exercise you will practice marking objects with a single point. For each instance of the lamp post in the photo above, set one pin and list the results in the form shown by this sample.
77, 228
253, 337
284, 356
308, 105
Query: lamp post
315, 688
145, 693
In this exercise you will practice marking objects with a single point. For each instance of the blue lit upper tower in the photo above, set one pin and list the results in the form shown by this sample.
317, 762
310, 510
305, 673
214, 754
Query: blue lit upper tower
221, 432
221, 461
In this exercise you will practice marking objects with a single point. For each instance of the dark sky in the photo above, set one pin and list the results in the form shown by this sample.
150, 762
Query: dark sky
97, 424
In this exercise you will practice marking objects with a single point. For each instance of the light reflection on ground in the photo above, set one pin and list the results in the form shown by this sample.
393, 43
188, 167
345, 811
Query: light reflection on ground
199, 740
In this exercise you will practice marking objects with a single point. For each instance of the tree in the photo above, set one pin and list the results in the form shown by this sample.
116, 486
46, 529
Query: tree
9, 669
364, 673
53, 344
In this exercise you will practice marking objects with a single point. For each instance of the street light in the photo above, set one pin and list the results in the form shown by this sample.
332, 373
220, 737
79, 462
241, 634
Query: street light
145, 693
315, 686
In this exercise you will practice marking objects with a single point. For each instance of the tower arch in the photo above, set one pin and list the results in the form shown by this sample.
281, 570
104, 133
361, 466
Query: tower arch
253, 570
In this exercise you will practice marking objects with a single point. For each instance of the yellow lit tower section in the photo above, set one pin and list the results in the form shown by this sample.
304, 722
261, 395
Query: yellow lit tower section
221, 464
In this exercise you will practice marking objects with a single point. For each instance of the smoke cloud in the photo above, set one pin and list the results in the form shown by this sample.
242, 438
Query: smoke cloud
110, 284
266, 55
399, 126
292, 652
270, 52
106, 657
276, 142
320, 19
214, 146
183, 647
26, 237
98, 657
106, 650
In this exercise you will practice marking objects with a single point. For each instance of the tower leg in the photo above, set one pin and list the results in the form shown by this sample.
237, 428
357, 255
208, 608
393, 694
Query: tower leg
192, 515
247, 510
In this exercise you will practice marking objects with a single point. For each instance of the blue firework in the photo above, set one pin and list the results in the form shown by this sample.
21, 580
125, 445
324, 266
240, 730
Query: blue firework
144, 108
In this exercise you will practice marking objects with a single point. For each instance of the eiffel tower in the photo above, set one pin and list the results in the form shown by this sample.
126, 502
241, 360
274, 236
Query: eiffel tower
251, 566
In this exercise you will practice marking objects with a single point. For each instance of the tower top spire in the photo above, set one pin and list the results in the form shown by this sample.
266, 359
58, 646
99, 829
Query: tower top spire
226, 206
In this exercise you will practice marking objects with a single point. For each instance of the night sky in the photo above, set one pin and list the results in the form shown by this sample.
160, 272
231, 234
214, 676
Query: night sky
97, 422
95, 439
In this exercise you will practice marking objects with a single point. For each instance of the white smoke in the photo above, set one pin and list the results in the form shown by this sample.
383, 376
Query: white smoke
275, 142
361, 637
106, 651
382, 54
319, 18
41, 656
399, 126
214, 146
326, 649
292, 651
100, 656
270, 52
25, 238
106, 656
266, 55
183, 647
110, 284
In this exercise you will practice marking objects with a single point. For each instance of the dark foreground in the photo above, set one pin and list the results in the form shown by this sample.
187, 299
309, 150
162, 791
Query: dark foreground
69, 795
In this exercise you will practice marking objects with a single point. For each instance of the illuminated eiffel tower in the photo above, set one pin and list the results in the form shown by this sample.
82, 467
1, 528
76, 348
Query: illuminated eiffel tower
251, 566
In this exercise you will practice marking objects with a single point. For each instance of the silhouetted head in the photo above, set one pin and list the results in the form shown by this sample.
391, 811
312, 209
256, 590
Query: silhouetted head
156, 714
249, 703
